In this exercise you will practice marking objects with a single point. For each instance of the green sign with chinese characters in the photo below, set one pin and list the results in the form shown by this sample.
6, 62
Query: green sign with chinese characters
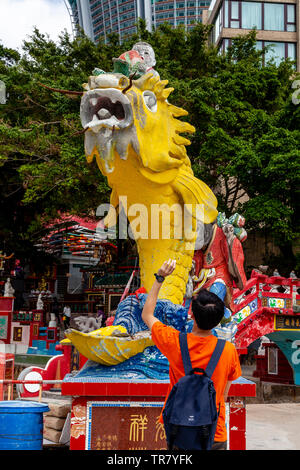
3, 327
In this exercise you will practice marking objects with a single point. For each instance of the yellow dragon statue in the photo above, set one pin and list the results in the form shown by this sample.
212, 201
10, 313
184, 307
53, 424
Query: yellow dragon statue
134, 134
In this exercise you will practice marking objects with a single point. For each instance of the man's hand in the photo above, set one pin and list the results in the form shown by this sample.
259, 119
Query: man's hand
167, 268
149, 307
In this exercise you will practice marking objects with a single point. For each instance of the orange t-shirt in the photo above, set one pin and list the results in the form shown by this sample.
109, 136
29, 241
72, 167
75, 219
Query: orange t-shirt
166, 338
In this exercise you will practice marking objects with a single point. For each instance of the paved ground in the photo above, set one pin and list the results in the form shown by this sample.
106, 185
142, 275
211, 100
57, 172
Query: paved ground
273, 426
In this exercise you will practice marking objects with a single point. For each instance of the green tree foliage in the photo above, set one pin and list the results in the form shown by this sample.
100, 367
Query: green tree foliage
246, 145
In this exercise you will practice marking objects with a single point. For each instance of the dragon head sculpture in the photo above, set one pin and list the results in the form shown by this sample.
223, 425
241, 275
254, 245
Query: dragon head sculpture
132, 117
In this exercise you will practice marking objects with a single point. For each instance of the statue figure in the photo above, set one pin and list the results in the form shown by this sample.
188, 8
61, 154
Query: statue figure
4, 258
42, 285
108, 257
147, 53
40, 303
88, 324
219, 259
8, 289
52, 322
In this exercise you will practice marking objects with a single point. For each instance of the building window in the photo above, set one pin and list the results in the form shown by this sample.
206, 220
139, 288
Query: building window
260, 15
218, 25
290, 17
274, 17
225, 7
278, 51
225, 44
235, 17
251, 15
291, 50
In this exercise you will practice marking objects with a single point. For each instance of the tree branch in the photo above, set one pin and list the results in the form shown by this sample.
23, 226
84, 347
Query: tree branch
41, 124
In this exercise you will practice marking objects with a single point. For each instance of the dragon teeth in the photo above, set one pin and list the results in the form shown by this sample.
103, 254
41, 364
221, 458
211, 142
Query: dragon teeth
104, 113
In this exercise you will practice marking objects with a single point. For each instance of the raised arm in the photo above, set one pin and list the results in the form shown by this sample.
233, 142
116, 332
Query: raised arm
149, 307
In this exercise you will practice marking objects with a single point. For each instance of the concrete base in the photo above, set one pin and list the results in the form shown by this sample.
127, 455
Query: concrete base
267, 392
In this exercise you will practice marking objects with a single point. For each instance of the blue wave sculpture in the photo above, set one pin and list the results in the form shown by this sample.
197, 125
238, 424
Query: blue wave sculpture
129, 314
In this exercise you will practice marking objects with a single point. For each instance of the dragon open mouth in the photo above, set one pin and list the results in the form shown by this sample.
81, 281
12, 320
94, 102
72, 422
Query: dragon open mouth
105, 108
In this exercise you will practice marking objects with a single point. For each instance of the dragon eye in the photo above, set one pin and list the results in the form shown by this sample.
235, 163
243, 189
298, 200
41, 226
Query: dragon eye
150, 101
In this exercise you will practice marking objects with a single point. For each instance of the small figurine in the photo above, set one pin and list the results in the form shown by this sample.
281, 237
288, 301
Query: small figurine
40, 303
3, 258
147, 53
276, 273
8, 289
293, 275
88, 324
263, 269
108, 257
52, 322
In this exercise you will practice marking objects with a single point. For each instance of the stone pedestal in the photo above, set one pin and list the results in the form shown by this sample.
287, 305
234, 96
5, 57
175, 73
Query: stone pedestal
124, 415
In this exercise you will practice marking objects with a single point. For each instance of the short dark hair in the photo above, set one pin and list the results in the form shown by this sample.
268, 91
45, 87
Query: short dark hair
208, 309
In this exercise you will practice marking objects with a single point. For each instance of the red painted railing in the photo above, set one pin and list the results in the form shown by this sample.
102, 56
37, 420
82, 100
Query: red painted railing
261, 299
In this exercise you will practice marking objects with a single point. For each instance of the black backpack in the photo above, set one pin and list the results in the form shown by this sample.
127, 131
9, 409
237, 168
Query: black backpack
190, 414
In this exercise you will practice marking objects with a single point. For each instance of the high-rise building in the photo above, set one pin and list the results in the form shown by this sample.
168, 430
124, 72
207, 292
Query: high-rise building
277, 23
98, 18
178, 12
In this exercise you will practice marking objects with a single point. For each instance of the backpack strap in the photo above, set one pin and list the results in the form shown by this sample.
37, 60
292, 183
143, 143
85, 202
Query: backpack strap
185, 353
187, 364
215, 357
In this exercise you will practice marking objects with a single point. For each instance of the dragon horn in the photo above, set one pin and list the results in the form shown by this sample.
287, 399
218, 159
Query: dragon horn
64, 92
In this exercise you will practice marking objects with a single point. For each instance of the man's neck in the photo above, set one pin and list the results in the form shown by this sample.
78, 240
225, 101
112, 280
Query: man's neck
198, 332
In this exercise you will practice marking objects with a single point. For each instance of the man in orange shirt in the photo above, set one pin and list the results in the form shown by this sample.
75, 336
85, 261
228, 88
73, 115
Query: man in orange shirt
207, 312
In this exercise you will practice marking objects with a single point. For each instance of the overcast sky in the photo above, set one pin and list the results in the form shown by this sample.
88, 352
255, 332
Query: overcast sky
18, 18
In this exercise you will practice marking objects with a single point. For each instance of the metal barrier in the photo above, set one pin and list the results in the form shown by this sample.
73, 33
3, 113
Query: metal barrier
11, 383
